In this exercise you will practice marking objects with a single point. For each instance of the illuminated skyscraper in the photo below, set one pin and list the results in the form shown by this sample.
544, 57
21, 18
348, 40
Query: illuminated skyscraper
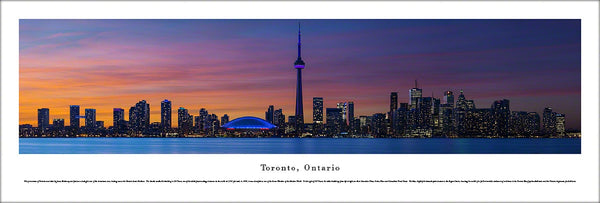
118, 116
549, 121
449, 98
334, 121
184, 121
318, 115
350, 118
560, 123
43, 118
269, 114
391, 114
165, 114
299, 65
74, 116
224, 119
139, 116
414, 94
90, 119
501, 116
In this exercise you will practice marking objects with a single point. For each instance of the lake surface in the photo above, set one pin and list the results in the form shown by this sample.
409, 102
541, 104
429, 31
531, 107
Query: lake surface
297, 146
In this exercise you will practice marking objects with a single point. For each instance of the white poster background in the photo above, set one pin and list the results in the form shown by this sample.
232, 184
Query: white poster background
582, 168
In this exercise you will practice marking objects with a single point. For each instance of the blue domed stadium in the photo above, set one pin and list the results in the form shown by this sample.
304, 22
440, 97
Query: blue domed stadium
248, 123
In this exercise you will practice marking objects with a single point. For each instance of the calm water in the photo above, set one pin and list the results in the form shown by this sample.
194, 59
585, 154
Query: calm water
296, 146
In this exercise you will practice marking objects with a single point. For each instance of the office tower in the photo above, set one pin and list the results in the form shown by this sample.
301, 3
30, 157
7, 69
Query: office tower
278, 118
449, 98
203, 123
391, 113
446, 122
58, 124
549, 121
299, 65
183, 120
214, 124
424, 112
343, 106
435, 116
401, 119
43, 119
165, 114
90, 119
292, 125
533, 123
74, 116
269, 114
414, 94
478, 123
140, 116
560, 124
318, 125
334, 121
224, 119
459, 115
378, 123
118, 116
501, 111
518, 123
350, 117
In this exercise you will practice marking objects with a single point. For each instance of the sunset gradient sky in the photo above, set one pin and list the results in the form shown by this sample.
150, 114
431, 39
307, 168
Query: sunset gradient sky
239, 67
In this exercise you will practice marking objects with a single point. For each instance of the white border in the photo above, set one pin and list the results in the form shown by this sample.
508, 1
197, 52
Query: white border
583, 168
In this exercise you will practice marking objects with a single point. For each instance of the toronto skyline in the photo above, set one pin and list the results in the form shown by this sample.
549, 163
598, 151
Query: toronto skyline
240, 67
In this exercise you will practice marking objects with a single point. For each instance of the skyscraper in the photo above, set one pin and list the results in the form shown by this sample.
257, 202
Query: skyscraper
299, 65
449, 98
43, 118
391, 114
184, 122
501, 116
549, 121
334, 121
74, 116
90, 119
350, 118
118, 116
139, 116
269, 114
318, 125
224, 119
165, 114
560, 123
414, 94
203, 123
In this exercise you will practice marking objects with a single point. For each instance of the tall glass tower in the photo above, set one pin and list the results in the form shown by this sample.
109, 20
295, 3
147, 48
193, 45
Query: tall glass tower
299, 65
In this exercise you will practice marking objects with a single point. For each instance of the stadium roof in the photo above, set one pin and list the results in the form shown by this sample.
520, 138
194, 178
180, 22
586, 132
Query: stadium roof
249, 123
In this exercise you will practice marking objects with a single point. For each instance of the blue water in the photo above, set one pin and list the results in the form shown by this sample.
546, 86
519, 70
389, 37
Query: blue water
296, 146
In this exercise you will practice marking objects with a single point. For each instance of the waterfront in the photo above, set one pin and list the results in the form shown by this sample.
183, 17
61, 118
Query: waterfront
298, 146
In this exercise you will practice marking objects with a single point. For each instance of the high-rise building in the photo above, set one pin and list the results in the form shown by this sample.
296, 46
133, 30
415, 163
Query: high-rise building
74, 116
344, 107
317, 109
393, 105
350, 118
43, 118
449, 98
184, 122
299, 65
318, 125
139, 116
533, 123
224, 119
165, 114
90, 119
560, 123
549, 121
401, 119
378, 123
414, 94
269, 114
334, 121
278, 118
203, 123
118, 116
501, 109
518, 123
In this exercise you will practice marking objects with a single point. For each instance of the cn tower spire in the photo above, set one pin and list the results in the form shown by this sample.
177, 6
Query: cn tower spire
299, 65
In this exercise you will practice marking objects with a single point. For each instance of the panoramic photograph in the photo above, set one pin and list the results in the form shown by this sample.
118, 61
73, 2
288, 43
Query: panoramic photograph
300, 86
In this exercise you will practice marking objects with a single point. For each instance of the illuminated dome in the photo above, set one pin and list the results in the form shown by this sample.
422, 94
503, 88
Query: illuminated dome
248, 123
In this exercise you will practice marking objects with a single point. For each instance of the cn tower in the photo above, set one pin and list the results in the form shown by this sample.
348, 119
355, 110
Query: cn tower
299, 65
